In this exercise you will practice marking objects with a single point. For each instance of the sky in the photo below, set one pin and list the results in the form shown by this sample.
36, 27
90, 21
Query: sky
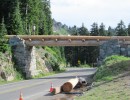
76, 12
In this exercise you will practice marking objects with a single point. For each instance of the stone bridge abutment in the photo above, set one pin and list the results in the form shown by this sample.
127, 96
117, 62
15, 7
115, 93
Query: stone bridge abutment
24, 56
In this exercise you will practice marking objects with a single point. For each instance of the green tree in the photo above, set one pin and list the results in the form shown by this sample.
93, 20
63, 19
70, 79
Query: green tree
3, 30
74, 30
32, 14
109, 32
121, 29
94, 30
15, 24
3, 42
83, 30
47, 17
102, 30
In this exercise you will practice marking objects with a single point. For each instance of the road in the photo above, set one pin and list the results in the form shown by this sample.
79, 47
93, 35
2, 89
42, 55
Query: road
38, 89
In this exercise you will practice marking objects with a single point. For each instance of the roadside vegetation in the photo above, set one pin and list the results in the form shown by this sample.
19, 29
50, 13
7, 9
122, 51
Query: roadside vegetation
111, 80
111, 67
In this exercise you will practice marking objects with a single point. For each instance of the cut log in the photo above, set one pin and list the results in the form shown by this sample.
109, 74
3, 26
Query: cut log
56, 90
68, 86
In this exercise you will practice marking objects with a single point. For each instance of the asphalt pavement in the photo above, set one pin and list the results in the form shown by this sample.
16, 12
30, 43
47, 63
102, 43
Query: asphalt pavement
38, 89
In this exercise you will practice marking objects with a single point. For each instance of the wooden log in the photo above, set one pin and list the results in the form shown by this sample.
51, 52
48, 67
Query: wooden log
56, 90
68, 86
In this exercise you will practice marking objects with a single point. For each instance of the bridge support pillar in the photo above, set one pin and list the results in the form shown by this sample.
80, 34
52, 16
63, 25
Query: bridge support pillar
113, 47
109, 48
24, 56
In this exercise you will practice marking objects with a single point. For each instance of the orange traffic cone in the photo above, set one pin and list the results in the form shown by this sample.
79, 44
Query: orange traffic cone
21, 96
51, 88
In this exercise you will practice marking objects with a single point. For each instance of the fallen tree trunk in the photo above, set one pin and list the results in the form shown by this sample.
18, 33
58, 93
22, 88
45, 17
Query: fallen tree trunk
68, 86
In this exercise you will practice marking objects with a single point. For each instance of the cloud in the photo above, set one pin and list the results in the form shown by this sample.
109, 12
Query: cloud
74, 12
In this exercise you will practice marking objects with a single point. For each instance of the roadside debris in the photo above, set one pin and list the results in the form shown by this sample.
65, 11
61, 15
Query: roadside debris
68, 86
71, 84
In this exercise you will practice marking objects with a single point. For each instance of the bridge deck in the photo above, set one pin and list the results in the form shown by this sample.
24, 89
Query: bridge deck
63, 40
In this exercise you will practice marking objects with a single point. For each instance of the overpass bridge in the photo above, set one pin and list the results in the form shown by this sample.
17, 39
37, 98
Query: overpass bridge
24, 47
63, 40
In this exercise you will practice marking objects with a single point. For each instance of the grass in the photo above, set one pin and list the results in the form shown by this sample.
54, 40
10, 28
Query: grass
111, 67
108, 85
108, 91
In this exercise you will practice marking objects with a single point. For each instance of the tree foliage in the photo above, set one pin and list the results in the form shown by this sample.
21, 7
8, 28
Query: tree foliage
16, 26
3, 30
83, 30
94, 30
102, 31
26, 16
121, 29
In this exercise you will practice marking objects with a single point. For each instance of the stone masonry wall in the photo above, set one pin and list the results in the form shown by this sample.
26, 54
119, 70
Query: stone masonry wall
24, 56
112, 47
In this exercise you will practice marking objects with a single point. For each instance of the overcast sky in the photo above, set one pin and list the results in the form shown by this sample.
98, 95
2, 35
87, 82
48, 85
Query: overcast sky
76, 12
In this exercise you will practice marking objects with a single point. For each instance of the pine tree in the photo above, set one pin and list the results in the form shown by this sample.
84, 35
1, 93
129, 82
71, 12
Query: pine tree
47, 17
109, 32
121, 29
3, 30
73, 30
83, 30
43, 30
15, 20
102, 30
94, 29
32, 16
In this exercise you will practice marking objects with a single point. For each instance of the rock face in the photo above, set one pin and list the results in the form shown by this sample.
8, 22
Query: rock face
112, 47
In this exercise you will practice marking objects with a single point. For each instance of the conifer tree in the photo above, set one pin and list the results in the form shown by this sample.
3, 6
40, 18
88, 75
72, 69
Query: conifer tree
33, 15
3, 30
3, 41
47, 17
43, 23
74, 30
102, 30
121, 29
110, 31
15, 20
83, 30
94, 29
